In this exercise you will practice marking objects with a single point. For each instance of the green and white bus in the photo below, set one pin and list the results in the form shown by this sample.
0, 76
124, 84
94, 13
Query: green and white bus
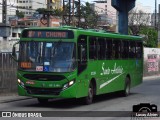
68, 62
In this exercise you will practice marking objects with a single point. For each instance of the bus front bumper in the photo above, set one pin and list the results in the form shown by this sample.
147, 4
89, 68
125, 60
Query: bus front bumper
69, 92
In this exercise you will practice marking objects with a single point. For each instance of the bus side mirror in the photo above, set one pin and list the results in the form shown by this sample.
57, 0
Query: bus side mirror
14, 54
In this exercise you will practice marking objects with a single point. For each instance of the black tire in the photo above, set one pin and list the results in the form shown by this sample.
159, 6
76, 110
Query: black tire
89, 99
126, 90
42, 100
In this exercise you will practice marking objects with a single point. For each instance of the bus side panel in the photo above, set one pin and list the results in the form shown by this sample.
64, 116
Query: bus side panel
111, 75
137, 77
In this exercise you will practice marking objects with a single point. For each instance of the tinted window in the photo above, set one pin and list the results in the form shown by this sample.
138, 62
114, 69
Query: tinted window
92, 48
132, 49
108, 48
139, 50
101, 48
124, 49
116, 49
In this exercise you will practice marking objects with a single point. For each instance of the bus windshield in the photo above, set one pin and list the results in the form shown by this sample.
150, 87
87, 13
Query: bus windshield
47, 56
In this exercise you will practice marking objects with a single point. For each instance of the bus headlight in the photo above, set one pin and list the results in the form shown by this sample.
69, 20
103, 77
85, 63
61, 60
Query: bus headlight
68, 84
21, 83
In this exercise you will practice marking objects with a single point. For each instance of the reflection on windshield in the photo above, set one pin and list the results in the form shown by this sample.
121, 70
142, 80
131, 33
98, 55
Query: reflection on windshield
47, 56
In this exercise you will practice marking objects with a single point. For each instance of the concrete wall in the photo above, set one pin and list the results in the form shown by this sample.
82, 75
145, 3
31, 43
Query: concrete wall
151, 61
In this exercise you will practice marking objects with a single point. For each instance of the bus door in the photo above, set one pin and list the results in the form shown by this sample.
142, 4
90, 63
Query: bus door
133, 60
82, 65
139, 60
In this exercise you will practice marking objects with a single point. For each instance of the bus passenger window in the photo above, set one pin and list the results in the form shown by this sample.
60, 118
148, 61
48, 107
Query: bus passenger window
92, 48
101, 48
124, 49
139, 50
132, 52
108, 49
116, 49
82, 53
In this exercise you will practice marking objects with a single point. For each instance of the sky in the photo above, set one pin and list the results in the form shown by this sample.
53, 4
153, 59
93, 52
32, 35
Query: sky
149, 3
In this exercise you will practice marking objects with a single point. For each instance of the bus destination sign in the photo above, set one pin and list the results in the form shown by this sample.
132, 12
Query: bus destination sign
47, 34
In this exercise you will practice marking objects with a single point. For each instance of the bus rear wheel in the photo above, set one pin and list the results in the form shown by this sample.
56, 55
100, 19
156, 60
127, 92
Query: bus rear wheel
89, 99
42, 100
126, 90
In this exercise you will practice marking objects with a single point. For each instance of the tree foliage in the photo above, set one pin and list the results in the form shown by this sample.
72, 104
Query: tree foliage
137, 20
138, 23
53, 12
89, 15
150, 36
19, 14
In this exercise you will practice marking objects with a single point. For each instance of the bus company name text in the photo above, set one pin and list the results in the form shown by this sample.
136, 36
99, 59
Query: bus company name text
116, 70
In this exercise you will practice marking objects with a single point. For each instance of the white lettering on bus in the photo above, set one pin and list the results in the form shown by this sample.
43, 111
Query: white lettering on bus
116, 70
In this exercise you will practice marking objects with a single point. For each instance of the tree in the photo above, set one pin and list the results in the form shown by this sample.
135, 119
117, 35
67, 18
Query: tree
86, 16
150, 36
53, 12
19, 14
89, 15
137, 20
41, 10
89, 18
139, 24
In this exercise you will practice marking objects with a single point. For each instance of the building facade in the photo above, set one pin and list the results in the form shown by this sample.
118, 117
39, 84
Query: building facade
28, 7
105, 8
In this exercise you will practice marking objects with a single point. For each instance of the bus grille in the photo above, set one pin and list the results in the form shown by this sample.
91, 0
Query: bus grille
44, 77
43, 91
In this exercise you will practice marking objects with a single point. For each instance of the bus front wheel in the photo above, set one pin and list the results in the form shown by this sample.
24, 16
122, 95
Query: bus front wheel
126, 90
89, 99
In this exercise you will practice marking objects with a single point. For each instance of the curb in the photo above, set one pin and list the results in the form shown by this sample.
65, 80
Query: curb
151, 77
7, 99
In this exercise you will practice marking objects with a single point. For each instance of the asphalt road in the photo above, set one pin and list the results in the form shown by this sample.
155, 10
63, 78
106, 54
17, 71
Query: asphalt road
147, 92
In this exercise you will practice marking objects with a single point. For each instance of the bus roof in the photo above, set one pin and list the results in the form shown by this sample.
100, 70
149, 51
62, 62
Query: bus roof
90, 32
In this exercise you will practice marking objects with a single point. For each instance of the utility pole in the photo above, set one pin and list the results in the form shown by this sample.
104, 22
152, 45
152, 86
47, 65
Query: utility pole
4, 11
4, 27
155, 14
69, 17
159, 28
48, 15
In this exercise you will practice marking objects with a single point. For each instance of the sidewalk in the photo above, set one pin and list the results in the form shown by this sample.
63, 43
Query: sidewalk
151, 77
11, 98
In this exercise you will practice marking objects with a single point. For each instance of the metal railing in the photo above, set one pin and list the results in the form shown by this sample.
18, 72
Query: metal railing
8, 80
